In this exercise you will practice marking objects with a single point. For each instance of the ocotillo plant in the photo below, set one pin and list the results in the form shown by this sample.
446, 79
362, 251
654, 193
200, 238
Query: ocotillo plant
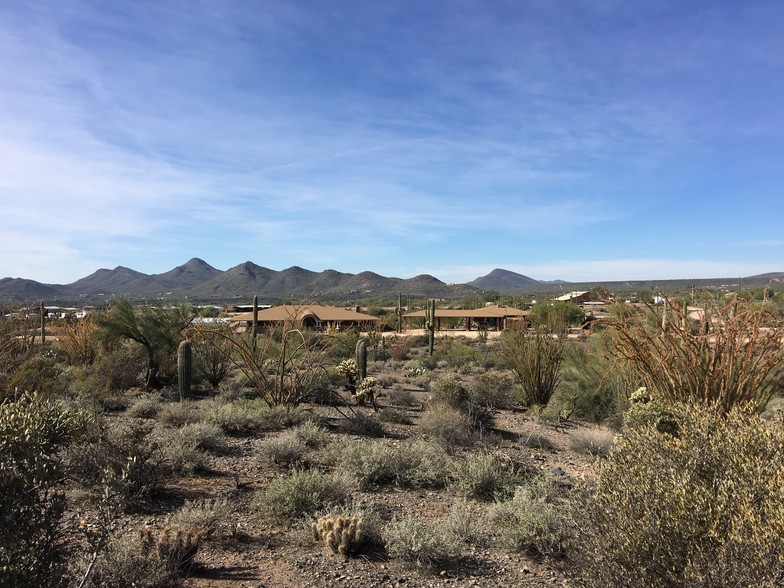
430, 323
360, 356
184, 368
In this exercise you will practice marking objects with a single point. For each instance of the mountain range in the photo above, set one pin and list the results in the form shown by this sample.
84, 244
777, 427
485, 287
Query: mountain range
197, 280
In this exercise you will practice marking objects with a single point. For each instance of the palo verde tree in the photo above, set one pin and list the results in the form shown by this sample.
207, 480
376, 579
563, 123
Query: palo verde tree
156, 327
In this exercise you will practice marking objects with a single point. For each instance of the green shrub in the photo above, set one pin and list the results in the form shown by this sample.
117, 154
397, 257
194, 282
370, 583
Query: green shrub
178, 414
212, 515
535, 358
181, 453
452, 392
370, 464
146, 406
364, 424
311, 433
534, 521
448, 426
485, 476
592, 441
493, 390
419, 542
32, 431
704, 508
125, 460
37, 374
301, 494
286, 450
250, 417
118, 370
205, 437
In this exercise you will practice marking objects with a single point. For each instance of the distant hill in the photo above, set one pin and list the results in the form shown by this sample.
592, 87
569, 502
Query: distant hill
198, 281
502, 280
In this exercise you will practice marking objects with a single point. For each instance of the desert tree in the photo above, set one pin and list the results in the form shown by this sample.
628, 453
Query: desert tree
156, 327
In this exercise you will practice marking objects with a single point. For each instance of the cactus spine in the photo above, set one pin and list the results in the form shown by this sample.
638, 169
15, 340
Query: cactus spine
430, 323
360, 356
184, 368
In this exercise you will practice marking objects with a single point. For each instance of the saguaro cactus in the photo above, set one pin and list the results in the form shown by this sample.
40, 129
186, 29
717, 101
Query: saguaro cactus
360, 356
184, 368
430, 323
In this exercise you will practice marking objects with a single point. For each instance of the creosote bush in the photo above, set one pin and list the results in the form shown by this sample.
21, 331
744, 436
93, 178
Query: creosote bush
301, 494
703, 508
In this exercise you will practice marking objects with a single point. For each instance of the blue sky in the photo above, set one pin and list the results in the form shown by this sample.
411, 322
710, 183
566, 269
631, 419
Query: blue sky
576, 140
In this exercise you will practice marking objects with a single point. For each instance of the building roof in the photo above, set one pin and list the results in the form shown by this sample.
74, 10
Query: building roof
571, 296
299, 312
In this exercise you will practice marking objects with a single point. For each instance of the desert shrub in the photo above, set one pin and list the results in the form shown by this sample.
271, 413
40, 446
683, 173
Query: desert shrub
461, 354
311, 433
79, 339
286, 450
125, 564
205, 437
394, 415
249, 417
535, 358
146, 406
424, 465
493, 390
399, 346
534, 521
32, 431
178, 414
485, 476
117, 370
419, 542
211, 355
211, 515
452, 392
448, 426
592, 441
735, 356
593, 386
402, 398
360, 423
537, 441
368, 463
703, 508
301, 494
124, 461
181, 454
467, 522
39, 374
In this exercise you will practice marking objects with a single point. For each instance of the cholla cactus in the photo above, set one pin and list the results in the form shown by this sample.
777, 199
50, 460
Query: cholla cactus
348, 369
367, 391
341, 534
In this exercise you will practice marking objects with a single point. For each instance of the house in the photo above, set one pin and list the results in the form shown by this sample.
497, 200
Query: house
494, 317
311, 316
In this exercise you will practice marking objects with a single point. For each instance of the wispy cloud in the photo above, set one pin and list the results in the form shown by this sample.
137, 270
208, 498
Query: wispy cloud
146, 133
